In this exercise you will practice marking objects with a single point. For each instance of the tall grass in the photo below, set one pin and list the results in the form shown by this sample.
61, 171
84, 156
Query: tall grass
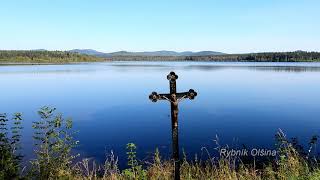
53, 136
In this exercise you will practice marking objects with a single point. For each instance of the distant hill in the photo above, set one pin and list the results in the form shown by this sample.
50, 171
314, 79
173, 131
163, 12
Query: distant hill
147, 53
86, 55
39, 50
90, 52
154, 53
207, 53
165, 53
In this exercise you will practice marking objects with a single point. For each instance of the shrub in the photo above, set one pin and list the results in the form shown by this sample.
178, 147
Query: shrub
9, 147
54, 142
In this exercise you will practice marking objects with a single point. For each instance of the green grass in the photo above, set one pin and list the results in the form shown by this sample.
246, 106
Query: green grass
54, 142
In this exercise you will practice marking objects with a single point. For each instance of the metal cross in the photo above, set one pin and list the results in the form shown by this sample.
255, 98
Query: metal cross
174, 98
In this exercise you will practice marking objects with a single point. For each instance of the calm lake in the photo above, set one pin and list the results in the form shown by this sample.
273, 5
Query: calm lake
241, 103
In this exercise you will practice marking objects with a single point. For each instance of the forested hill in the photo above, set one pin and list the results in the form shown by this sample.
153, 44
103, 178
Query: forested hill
44, 56
59, 57
296, 56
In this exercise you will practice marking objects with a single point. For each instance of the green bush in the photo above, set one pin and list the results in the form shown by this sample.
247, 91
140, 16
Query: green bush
54, 142
9, 147
135, 171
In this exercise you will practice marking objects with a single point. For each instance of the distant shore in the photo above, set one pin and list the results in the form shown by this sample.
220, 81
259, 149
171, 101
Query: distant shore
12, 57
36, 63
119, 60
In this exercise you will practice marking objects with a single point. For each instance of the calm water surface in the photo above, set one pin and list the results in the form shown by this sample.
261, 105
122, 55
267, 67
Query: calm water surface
242, 103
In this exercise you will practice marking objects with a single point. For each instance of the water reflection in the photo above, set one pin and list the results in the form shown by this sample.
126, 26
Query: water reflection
110, 107
157, 66
295, 69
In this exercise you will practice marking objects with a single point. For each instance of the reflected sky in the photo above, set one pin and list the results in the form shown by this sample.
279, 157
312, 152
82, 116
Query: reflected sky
242, 103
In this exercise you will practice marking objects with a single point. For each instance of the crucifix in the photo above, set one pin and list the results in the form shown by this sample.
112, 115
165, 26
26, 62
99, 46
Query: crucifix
174, 98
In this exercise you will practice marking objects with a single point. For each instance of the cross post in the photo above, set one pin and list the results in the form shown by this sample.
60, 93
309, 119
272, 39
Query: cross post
174, 98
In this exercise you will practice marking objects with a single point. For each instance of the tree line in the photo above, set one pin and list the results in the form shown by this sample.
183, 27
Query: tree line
32, 56
296, 56
24, 56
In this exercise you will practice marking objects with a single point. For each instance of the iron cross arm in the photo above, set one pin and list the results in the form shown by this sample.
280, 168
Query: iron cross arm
154, 97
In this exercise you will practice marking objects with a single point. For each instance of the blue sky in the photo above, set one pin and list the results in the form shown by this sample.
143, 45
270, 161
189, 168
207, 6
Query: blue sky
236, 26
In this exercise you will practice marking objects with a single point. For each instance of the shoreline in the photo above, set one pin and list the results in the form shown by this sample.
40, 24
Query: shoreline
146, 61
26, 63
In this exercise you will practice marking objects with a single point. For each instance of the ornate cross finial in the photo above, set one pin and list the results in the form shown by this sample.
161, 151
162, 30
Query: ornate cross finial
172, 76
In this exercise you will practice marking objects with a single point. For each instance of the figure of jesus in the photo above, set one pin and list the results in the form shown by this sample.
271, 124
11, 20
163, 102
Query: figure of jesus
175, 101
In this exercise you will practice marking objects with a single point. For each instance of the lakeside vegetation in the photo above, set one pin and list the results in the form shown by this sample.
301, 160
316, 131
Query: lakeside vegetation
55, 159
61, 57
296, 56
45, 57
